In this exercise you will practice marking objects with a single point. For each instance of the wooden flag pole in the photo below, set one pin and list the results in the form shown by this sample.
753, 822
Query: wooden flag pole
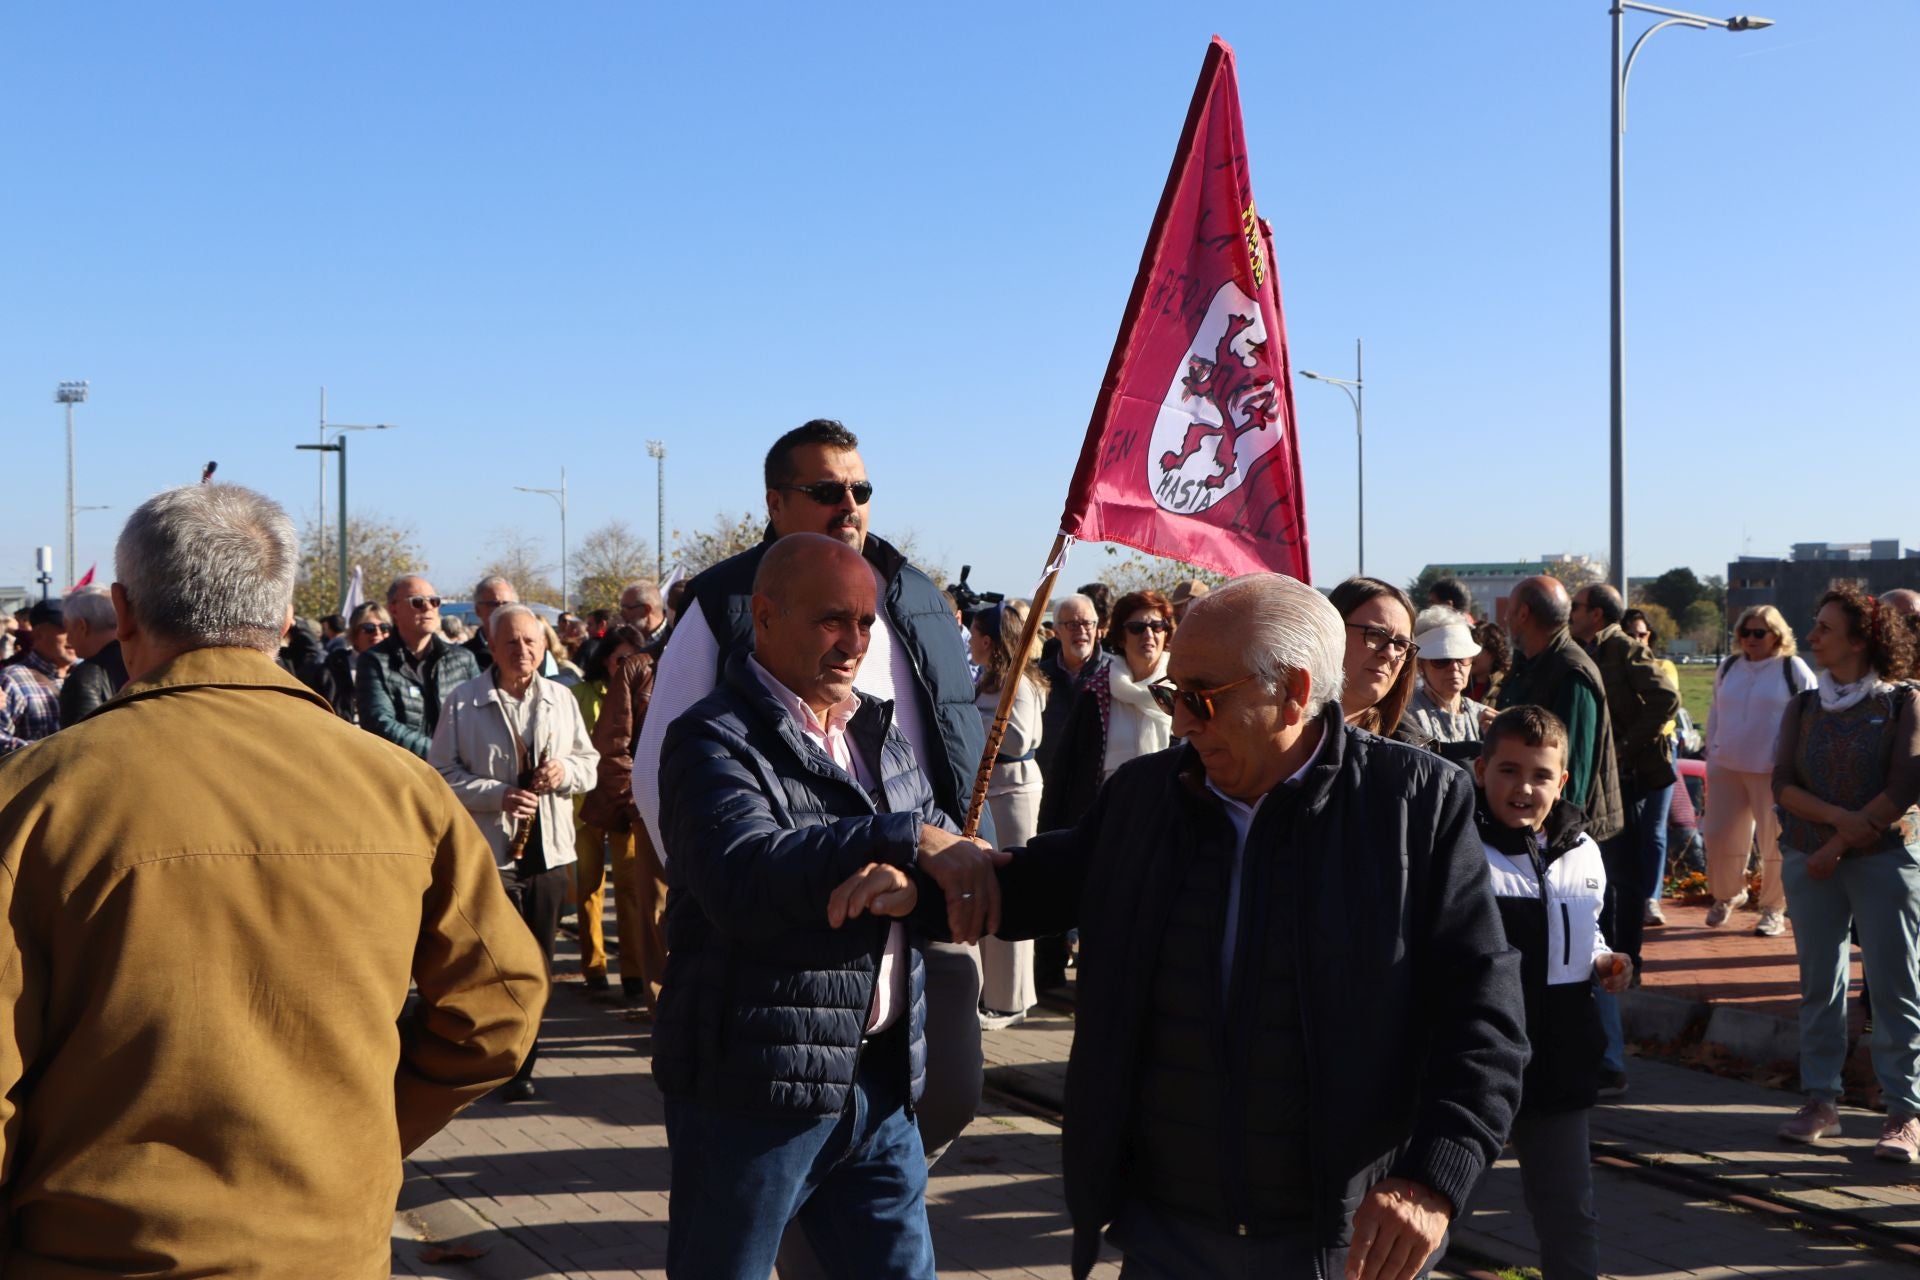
995, 734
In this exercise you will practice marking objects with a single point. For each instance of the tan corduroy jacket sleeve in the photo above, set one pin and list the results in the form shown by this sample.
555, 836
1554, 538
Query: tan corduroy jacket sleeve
482, 985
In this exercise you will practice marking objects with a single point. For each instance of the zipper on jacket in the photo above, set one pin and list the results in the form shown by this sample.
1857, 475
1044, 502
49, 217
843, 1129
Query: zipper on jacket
1566, 936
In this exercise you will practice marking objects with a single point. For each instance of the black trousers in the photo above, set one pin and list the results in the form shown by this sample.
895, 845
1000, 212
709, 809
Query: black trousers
539, 896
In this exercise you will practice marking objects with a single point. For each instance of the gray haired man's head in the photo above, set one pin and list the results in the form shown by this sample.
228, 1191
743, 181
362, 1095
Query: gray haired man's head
1284, 626
209, 565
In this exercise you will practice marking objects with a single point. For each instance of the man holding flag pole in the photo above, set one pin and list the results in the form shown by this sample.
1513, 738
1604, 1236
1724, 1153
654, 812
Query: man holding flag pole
1298, 1030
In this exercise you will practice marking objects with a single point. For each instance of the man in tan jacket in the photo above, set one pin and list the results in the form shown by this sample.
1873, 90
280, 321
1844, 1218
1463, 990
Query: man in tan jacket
215, 896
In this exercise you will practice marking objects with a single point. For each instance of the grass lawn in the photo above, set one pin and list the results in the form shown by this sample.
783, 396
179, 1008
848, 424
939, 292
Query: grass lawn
1696, 691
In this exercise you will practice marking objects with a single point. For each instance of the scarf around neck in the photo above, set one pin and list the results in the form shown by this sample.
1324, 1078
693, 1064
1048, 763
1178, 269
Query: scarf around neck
1838, 697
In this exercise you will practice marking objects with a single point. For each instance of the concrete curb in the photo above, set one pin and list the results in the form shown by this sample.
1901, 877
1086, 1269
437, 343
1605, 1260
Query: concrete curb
1661, 1019
430, 1213
1759, 1038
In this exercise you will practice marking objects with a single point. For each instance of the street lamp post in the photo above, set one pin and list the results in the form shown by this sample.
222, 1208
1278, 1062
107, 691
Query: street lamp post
1617, 537
320, 506
1356, 389
70, 394
340, 447
657, 450
560, 496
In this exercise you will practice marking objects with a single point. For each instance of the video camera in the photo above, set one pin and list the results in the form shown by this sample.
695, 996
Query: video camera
967, 600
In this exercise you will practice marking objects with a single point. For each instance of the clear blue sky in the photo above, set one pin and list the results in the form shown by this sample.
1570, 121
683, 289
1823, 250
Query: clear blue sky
536, 235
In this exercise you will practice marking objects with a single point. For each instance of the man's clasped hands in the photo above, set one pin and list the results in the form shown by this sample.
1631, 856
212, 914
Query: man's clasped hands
963, 868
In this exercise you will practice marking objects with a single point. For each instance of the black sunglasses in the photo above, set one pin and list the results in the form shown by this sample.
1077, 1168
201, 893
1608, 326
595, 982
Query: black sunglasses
424, 603
375, 628
1140, 627
827, 492
1754, 633
1199, 702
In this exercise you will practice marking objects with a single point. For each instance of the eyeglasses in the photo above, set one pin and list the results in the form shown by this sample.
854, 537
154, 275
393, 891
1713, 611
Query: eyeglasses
1754, 633
375, 628
1199, 702
1379, 640
1140, 627
1076, 624
423, 603
827, 492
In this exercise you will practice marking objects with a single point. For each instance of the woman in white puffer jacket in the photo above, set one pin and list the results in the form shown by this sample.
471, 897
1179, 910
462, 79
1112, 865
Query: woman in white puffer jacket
1750, 695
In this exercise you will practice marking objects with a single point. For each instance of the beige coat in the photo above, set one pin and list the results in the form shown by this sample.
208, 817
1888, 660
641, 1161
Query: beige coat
475, 751
216, 893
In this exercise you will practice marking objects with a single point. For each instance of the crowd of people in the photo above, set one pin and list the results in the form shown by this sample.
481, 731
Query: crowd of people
1221, 812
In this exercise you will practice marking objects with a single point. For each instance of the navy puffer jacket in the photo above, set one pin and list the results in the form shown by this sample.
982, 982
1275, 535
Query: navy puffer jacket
763, 1005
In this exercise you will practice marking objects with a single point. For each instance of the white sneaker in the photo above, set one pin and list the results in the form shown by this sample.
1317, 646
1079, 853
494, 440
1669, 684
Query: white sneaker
1772, 924
1717, 914
994, 1020
1653, 915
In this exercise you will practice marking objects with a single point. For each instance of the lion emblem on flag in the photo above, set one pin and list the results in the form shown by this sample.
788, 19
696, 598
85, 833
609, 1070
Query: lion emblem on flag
1219, 414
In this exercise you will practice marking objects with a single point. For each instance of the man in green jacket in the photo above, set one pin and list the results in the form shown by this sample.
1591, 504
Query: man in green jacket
401, 681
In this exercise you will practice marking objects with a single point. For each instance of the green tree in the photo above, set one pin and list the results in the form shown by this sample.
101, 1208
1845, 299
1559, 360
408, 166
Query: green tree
606, 561
383, 551
1674, 590
1575, 574
1704, 624
1714, 587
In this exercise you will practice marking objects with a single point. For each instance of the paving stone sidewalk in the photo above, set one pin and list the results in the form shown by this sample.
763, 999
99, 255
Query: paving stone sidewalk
575, 1183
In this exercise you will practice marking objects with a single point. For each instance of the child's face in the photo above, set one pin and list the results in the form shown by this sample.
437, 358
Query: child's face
1521, 782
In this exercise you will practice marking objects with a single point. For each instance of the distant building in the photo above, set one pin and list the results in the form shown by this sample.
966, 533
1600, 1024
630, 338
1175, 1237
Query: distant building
1794, 585
1491, 583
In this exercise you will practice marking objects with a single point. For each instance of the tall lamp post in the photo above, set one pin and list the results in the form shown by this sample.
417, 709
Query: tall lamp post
70, 394
1356, 389
320, 507
1617, 537
560, 496
657, 450
340, 447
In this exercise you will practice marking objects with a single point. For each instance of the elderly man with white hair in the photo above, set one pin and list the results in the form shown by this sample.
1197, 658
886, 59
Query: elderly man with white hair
514, 747
1298, 1033
211, 1059
93, 637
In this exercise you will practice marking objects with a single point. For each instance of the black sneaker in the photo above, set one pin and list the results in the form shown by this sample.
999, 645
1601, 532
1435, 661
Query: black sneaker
1613, 1083
596, 982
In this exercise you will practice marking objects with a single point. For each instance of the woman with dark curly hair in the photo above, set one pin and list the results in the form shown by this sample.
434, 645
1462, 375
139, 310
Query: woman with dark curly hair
1380, 649
1491, 664
1846, 776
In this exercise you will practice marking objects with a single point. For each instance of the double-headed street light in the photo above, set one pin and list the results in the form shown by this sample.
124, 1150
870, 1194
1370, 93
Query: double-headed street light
560, 496
1356, 389
1617, 541
340, 447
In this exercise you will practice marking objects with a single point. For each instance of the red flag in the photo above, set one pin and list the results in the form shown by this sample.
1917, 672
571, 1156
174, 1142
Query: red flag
86, 579
1192, 452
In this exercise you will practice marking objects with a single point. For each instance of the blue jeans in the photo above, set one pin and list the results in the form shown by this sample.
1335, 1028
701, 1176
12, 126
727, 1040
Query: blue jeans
1654, 837
1879, 893
856, 1182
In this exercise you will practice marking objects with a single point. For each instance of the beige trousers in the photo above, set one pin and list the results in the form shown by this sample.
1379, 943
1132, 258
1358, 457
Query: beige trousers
1006, 968
1739, 809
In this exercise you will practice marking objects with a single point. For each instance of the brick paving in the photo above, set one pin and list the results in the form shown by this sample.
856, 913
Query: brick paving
1728, 965
576, 1183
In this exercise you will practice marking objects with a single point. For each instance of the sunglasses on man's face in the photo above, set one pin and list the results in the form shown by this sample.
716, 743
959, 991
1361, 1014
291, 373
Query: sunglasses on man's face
1140, 626
1198, 702
375, 628
1754, 633
424, 603
827, 492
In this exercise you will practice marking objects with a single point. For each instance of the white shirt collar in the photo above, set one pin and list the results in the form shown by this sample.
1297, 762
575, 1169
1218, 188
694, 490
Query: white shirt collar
837, 715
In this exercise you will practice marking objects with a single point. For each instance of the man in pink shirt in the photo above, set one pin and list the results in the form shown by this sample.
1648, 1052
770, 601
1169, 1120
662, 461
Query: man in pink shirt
810, 863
